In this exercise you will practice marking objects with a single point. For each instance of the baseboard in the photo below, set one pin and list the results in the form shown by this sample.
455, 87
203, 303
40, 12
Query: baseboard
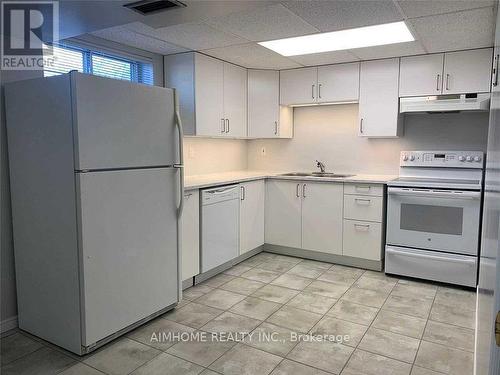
325, 257
8, 324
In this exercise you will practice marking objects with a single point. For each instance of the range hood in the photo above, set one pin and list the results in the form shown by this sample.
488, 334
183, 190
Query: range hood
445, 103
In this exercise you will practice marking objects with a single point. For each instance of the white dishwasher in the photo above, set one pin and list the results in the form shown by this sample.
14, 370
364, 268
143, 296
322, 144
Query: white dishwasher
220, 227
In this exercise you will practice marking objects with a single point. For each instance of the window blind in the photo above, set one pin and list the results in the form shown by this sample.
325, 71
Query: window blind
92, 62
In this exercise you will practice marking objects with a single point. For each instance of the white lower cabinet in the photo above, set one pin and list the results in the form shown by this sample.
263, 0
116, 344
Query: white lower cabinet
362, 239
191, 234
304, 214
283, 213
252, 201
322, 217
363, 218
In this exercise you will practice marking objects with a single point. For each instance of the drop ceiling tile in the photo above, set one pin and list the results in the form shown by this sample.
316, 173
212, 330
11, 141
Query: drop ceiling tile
263, 23
328, 15
391, 50
198, 36
324, 58
123, 35
455, 31
420, 8
252, 55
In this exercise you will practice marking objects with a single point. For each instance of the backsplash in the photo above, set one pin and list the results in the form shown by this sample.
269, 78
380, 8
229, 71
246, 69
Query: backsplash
210, 155
329, 134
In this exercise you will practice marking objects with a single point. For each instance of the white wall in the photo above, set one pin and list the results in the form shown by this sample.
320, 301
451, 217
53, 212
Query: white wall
211, 155
329, 134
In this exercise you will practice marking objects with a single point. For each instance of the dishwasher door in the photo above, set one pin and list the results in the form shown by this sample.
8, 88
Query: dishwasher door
220, 227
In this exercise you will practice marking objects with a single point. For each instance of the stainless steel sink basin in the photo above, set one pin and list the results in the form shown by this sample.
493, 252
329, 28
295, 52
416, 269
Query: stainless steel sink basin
316, 174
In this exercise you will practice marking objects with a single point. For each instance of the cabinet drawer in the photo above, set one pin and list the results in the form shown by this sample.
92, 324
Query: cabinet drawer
362, 239
364, 189
362, 207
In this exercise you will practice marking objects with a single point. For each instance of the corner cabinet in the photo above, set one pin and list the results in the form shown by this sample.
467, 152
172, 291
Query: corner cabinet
266, 118
252, 201
378, 99
212, 94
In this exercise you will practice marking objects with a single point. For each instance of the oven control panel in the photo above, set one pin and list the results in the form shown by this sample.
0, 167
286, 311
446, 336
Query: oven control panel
443, 159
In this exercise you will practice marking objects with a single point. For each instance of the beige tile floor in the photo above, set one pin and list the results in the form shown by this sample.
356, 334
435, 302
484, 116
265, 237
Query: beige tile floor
395, 326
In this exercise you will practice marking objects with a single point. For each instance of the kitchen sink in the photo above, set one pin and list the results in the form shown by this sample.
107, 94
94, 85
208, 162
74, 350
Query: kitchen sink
316, 174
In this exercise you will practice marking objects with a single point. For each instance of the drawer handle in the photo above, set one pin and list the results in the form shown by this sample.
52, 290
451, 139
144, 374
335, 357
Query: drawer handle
362, 227
360, 201
188, 195
358, 188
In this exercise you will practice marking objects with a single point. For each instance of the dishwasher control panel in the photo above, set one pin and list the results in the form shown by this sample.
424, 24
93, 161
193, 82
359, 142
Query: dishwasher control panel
219, 194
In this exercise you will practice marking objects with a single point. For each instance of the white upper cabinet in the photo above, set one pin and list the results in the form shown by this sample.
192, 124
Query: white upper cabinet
265, 117
338, 83
378, 99
446, 73
252, 200
467, 71
209, 96
322, 217
421, 75
212, 94
324, 84
235, 100
298, 86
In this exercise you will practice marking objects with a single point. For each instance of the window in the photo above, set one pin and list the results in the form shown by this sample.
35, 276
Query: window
92, 62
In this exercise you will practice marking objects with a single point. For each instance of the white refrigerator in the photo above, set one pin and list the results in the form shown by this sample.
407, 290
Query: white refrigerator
96, 185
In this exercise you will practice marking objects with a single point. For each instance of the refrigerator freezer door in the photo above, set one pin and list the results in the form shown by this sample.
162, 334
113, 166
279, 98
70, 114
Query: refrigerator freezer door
119, 124
128, 247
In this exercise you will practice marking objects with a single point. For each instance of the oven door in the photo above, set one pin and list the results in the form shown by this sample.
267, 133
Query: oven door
444, 220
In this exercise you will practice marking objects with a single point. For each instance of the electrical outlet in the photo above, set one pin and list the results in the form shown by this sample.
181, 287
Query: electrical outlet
191, 152
263, 151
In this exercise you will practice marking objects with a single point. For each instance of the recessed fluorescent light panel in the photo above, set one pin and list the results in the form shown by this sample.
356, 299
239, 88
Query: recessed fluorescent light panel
369, 36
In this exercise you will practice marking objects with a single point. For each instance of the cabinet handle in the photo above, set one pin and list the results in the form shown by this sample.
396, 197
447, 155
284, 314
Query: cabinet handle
358, 200
304, 190
188, 195
495, 70
437, 82
447, 81
363, 227
227, 121
319, 91
361, 126
358, 188
243, 193
297, 191
312, 91
276, 128
223, 126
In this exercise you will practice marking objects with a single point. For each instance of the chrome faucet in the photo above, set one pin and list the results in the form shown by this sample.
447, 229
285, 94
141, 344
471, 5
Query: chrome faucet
321, 166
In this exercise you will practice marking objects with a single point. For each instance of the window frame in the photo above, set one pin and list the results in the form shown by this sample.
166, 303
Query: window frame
137, 67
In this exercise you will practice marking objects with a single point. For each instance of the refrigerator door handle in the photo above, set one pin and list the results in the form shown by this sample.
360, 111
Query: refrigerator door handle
180, 166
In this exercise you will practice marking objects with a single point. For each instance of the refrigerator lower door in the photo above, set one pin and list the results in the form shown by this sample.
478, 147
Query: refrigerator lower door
128, 242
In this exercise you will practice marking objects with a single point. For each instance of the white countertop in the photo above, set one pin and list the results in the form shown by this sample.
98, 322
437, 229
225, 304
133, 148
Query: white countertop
215, 179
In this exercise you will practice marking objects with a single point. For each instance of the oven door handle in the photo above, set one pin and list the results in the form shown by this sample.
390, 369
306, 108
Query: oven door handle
427, 256
453, 194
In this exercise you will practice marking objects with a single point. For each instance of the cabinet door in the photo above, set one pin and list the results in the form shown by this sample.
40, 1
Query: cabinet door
252, 202
298, 86
421, 75
263, 103
209, 95
235, 100
191, 235
378, 98
338, 83
322, 217
283, 213
467, 71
